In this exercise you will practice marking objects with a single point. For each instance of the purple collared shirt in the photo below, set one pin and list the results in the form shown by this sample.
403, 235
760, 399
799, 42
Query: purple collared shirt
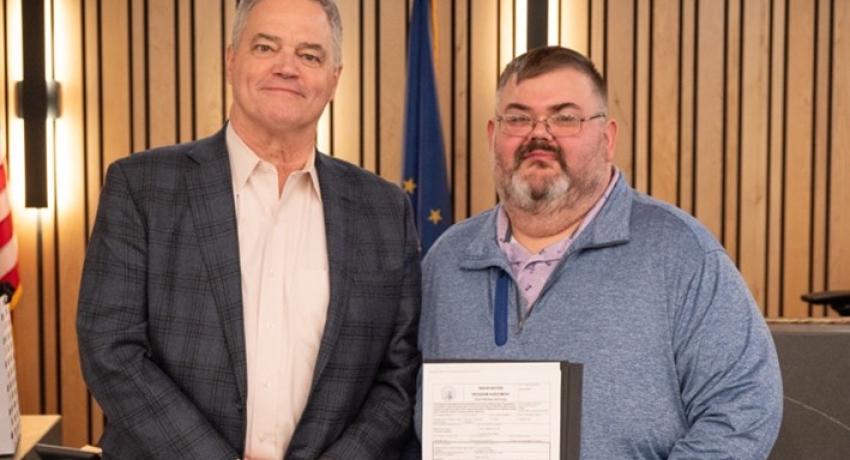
532, 270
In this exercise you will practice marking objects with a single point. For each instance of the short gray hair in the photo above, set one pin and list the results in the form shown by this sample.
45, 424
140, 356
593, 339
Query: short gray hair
243, 7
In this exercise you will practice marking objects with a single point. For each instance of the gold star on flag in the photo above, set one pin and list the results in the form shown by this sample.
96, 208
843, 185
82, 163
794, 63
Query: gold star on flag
409, 185
435, 216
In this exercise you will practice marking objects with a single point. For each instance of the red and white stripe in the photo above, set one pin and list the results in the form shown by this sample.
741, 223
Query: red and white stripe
8, 243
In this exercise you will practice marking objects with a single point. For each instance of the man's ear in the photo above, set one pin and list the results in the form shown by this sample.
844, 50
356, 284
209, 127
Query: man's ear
491, 130
229, 56
610, 134
336, 74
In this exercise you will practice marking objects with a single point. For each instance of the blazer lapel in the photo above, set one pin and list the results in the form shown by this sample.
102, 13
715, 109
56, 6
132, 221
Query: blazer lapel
338, 209
211, 200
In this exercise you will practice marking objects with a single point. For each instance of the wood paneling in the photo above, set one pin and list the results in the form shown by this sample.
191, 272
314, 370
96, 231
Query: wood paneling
461, 86
798, 155
664, 107
391, 35
776, 157
755, 79
208, 84
483, 77
574, 24
734, 110
708, 114
838, 196
640, 109
619, 60
729, 218
72, 228
347, 102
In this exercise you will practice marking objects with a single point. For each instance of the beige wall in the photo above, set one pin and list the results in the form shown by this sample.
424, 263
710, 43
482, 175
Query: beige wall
737, 111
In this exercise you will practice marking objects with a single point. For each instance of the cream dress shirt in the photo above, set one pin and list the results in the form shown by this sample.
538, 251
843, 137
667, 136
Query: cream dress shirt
285, 291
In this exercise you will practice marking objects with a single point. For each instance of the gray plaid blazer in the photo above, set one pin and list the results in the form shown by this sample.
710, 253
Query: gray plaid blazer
160, 322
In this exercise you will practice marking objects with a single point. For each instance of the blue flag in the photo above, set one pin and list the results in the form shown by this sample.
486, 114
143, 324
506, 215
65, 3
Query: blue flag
424, 175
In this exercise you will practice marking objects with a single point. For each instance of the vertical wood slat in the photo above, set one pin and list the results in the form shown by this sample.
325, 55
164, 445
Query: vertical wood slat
139, 75
731, 174
229, 7
71, 225
346, 108
185, 70
208, 65
461, 153
596, 33
754, 141
839, 162
161, 97
687, 104
114, 82
93, 148
443, 59
798, 153
820, 120
640, 110
392, 25
708, 125
620, 63
505, 33
483, 79
91, 52
575, 25
776, 160
664, 125
368, 83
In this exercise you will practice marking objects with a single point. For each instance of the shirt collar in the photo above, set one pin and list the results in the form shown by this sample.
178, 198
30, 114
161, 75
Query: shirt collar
243, 161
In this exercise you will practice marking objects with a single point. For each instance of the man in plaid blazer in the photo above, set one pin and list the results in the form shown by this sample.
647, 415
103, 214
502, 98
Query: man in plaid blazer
162, 312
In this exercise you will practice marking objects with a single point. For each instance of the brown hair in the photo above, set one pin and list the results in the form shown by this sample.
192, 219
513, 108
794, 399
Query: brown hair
539, 61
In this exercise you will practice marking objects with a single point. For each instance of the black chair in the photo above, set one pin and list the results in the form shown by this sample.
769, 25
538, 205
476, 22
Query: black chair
838, 300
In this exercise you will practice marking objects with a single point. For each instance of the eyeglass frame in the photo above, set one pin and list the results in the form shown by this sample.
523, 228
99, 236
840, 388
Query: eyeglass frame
545, 121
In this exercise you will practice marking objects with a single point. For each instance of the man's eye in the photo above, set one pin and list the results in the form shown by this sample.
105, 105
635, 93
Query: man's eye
517, 120
311, 59
563, 120
262, 48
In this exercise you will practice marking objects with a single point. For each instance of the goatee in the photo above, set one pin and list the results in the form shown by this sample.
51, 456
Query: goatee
516, 191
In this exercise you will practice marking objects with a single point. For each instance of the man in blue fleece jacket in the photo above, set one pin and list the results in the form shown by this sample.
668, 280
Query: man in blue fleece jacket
678, 361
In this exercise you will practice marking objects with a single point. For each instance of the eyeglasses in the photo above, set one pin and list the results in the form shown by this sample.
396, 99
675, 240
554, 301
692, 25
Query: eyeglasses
558, 124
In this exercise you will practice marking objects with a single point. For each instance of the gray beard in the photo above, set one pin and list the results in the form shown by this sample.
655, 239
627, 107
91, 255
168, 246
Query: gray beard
554, 194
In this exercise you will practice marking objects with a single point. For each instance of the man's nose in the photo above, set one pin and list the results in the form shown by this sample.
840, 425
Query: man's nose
286, 64
540, 130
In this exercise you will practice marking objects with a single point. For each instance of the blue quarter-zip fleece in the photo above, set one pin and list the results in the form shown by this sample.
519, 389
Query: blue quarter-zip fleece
678, 361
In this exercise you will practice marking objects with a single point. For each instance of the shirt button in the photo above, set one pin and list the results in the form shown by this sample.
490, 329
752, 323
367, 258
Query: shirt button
267, 385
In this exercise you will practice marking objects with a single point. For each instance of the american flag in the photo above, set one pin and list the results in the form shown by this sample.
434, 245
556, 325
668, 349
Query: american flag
8, 244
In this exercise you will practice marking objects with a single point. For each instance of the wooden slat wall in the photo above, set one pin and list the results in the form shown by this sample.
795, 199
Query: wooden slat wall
735, 110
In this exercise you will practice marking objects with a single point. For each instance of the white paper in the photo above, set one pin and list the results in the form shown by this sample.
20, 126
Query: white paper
10, 414
493, 411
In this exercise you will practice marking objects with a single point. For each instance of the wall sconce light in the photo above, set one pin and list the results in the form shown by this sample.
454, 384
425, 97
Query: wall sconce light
37, 101
538, 23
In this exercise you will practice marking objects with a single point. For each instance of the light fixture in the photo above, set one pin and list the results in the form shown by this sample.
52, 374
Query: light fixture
37, 101
537, 17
